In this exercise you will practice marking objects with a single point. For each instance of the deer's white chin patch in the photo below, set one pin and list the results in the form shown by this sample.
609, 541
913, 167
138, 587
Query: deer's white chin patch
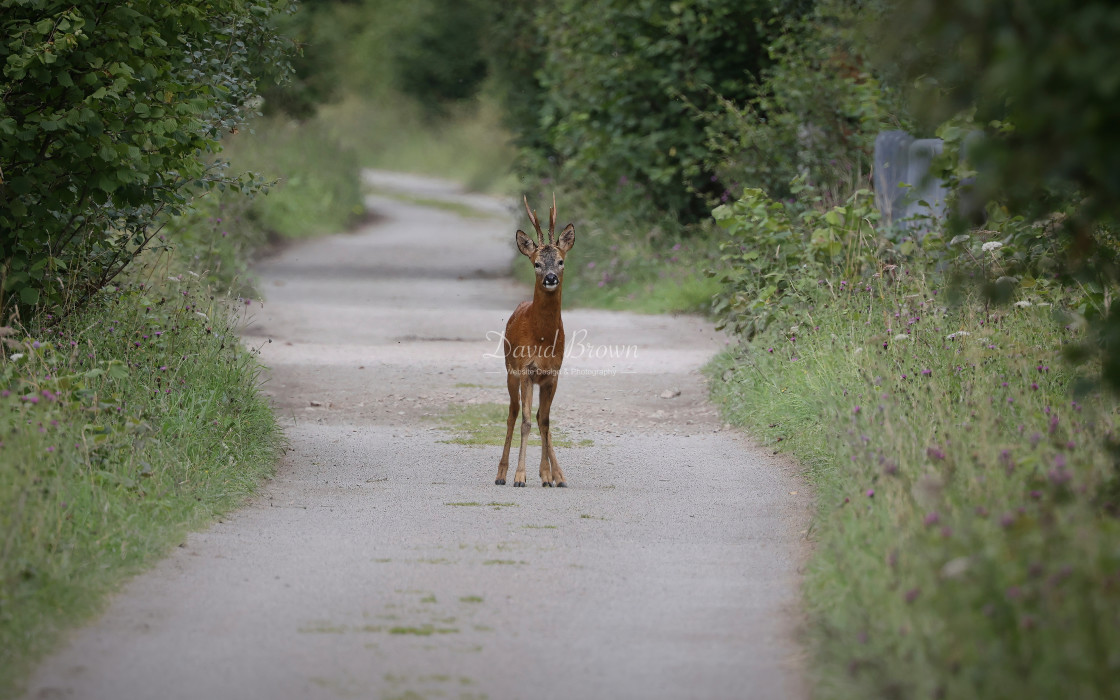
549, 287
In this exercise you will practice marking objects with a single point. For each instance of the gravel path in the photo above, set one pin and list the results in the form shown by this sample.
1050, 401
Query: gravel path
383, 562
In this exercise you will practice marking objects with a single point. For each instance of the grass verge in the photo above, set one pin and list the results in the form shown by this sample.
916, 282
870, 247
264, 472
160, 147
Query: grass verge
122, 427
966, 527
317, 186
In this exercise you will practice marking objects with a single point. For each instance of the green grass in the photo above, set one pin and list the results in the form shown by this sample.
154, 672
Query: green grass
423, 631
966, 533
318, 186
122, 427
485, 424
492, 504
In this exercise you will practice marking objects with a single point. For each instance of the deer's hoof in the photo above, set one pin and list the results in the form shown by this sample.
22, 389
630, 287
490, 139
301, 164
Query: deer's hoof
519, 483
499, 482
546, 483
562, 485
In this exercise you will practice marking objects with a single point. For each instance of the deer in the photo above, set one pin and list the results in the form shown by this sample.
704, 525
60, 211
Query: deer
534, 348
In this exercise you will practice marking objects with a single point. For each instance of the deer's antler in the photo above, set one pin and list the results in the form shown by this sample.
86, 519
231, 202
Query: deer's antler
552, 219
536, 224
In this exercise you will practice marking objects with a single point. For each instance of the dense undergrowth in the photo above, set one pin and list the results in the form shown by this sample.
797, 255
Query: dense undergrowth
965, 540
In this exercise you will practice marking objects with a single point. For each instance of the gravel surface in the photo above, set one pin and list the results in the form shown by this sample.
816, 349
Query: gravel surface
383, 562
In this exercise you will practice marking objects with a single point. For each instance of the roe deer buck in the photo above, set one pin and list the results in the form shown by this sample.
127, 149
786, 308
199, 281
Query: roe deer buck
534, 347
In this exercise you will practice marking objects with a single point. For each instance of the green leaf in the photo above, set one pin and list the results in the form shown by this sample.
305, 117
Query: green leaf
29, 295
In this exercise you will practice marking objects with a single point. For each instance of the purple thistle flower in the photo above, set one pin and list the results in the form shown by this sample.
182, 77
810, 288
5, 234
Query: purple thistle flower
931, 518
870, 493
911, 595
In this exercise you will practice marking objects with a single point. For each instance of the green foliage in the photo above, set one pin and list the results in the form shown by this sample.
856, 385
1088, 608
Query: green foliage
317, 188
107, 113
1039, 81
618, 85
122, 425
966, 531
316, 69
817, 110
772, 260
438, 59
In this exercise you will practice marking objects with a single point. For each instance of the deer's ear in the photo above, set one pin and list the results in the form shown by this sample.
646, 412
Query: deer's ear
567, 238
525, 244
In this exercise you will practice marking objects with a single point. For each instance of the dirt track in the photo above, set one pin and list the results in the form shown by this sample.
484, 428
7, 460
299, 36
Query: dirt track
383, 562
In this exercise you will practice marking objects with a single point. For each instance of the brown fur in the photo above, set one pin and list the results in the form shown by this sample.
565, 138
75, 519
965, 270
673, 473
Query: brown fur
534, 349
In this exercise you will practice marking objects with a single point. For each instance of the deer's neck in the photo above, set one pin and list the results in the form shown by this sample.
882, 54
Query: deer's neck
546, 309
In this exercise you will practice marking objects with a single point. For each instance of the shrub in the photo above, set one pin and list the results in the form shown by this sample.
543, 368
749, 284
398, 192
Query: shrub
618, 85
816, 113
108, 111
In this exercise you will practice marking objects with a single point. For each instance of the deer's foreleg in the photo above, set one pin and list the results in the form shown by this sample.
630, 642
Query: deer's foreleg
526, 426
550, 468
513, 384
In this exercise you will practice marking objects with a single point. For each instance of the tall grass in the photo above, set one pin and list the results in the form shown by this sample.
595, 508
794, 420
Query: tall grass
966, 534
121, 427
317, 186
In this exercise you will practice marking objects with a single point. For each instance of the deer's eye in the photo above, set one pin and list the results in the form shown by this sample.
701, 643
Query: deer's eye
561, 263
537, 265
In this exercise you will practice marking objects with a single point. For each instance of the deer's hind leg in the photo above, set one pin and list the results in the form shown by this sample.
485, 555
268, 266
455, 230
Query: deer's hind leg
550, 468
513, 384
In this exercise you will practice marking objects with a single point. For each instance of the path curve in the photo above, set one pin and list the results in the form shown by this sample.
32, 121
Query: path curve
668, 568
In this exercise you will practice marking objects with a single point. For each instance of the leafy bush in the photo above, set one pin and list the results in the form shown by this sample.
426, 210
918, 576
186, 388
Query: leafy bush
816, 113
107, 110
618, 85
773, 261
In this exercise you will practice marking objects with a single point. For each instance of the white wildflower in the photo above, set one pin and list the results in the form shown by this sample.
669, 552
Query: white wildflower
958, 334
959, 239
902, 336
1022, 304
991, 245
16, 356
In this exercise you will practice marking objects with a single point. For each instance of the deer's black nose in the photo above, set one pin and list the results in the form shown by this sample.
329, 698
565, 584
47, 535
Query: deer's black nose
551, 280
